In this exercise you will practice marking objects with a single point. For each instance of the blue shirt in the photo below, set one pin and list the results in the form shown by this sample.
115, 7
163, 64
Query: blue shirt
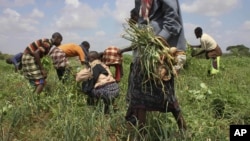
17, 59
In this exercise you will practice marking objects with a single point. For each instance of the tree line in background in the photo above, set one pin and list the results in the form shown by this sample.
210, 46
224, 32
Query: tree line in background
236, 50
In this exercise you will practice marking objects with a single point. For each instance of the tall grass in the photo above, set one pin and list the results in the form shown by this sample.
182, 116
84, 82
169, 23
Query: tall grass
61, 112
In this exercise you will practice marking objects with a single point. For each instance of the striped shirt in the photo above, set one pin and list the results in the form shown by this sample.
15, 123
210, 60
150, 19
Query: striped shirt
44, 45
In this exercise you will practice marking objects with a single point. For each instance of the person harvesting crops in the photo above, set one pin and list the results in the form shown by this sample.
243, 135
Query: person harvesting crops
111, 57
151, 79
16, 61
61, 53
210, 48
100, 83
33, 69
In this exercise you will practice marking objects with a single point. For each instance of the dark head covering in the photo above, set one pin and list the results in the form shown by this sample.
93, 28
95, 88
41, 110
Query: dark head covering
85, 45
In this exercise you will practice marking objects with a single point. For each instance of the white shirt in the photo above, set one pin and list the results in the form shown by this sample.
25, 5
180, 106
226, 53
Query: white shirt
207, 42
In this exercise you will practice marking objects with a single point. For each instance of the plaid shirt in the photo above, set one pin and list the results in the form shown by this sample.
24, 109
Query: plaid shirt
59, 58
111, 57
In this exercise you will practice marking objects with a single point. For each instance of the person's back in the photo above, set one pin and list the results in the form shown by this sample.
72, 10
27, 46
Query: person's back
72, 50
111, 57
208, 42
105, 86
105, 76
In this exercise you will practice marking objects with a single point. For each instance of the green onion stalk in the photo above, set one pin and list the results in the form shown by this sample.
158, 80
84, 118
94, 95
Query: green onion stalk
154, 52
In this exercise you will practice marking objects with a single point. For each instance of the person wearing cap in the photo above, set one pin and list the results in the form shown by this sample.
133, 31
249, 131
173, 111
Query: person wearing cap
60, 54
32, 67
210, 48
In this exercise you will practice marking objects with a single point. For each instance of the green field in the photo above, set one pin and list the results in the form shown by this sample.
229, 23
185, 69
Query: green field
61, 112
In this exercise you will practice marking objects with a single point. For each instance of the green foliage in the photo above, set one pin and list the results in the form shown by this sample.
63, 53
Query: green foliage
209, 104
47, 63
4, 56
199, 94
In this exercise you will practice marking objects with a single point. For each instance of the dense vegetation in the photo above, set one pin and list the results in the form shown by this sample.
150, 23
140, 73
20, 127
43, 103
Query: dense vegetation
209, 103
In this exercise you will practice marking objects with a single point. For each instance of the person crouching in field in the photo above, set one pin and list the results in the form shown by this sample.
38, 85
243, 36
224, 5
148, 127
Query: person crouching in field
33, 69
60, 54
210, 48
100, 82
16, 61
112, 58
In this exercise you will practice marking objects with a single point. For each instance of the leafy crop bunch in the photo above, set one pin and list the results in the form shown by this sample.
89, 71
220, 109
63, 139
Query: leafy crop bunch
154, 53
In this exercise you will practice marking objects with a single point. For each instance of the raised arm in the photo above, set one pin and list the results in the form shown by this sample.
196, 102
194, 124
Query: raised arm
121, 51
195, 46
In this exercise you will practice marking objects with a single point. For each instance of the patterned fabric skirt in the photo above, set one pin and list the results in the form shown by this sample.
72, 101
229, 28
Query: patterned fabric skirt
107, 92
59, 58
30, 68
150, 96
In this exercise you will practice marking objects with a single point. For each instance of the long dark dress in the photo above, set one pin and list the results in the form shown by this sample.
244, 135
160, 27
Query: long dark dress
149, 96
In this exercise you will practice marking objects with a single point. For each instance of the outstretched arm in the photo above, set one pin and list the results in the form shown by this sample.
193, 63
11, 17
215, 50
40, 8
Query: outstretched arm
199, 53
125, 49
195, 46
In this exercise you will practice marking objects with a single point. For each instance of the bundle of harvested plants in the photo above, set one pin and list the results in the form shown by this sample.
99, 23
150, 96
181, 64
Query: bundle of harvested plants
154, 52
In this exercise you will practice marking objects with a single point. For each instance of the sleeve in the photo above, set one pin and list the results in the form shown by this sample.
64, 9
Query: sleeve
81, 54
172, 20
83, 75
137, 7
45, 46
16, 59
99, 69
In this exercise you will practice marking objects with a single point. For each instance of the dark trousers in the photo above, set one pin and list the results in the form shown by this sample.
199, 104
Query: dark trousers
62, 73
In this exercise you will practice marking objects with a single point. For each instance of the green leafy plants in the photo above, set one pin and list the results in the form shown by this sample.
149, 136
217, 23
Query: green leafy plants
209, 106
